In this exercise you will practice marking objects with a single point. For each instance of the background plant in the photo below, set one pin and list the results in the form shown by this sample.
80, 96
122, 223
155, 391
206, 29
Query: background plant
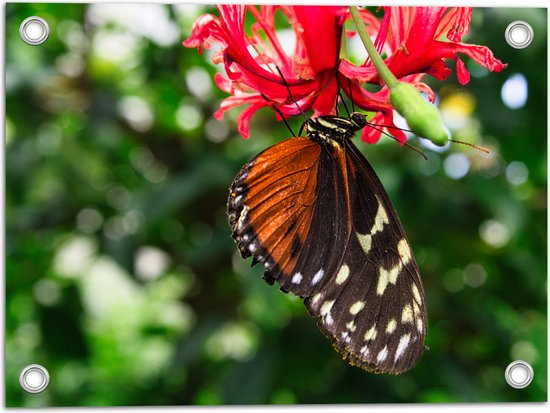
121, 275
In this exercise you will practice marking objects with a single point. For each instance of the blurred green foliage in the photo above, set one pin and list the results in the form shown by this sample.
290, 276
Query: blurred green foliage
121, 275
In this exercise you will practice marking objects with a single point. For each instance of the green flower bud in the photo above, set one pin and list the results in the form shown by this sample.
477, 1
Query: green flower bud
422, 117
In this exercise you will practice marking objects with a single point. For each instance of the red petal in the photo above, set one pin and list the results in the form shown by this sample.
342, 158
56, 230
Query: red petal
459, 19
363, 74
481, 54
380, 121
244, 119
370, 135
438, 69
462, 73
423, 27
320, 28
205, 29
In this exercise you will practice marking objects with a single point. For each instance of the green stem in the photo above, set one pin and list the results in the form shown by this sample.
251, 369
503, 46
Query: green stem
343, 46
381, 67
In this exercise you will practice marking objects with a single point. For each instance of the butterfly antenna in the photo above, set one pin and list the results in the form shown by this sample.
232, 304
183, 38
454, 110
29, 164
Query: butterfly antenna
340, 93
414, 148
408, 145
290, 93
343, 103
342, 98
472, 145
351, 95
280, 114
376, 127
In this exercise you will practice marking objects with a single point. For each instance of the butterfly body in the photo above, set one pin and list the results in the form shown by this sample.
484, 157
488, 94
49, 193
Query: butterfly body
334, 129
313, 211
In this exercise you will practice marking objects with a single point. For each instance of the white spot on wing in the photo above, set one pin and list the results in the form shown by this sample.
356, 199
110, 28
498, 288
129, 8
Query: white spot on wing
356, 307
365, 240
392, 325
324, 312
382, 355
402, 346
317, 277
380, 219
416, 293
419, 325
416, 307
297, 278
342, 275
382, 282
242, 216
326, 307
387, 276
371, 334
346, 337
351, 326
316, 298
407, 314
404, 251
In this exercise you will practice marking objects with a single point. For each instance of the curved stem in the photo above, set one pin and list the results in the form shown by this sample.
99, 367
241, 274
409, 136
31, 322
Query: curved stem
378, 62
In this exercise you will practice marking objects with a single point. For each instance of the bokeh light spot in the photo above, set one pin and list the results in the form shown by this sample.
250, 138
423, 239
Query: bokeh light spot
456, 165
494, 233
514, 91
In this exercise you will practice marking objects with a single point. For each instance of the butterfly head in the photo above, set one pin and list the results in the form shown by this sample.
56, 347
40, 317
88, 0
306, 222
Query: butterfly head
333, 129
358, 119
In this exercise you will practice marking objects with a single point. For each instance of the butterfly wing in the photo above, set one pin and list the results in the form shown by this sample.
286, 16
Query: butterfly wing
270, 207
318, 218
374, 307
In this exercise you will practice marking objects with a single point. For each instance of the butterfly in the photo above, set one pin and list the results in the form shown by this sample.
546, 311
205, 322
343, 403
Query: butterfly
312, 210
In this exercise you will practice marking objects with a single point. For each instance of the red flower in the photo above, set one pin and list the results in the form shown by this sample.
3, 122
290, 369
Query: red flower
309, 72
409, 37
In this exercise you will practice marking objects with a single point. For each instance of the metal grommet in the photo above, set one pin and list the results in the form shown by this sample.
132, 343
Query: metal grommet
519, 34
34, 30
34, 378
519, 374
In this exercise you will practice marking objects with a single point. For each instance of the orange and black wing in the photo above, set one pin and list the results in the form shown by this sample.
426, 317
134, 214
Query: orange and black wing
271, 205
315, 214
